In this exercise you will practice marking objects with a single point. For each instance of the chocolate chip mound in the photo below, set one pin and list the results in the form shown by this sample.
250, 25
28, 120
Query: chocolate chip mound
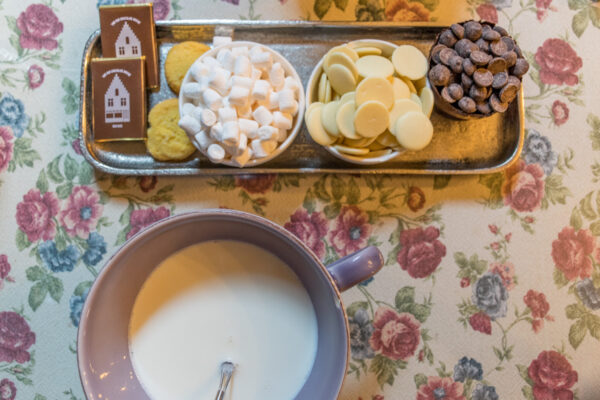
476, 67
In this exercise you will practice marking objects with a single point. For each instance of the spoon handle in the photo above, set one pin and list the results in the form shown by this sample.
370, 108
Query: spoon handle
226, 372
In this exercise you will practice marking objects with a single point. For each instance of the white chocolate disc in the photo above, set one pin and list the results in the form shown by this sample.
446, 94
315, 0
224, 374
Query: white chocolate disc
374, 66
364, 142
328, 92
400, 108
350, 96
377, 153
420, 83
409, 62
345, 120
414, 130
416, 99
410, 84
427, 101
375, 88
347, 50
375, 145
328, 113
337, 57
310, 108
371, 119
315, 128
401, 89
368, 51
341, 79
322, 86
351, 150
387, 139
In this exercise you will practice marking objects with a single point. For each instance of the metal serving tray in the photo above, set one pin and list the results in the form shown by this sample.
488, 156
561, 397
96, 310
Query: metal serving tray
458, 147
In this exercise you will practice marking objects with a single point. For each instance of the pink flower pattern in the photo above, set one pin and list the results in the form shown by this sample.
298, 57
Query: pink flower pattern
82, 212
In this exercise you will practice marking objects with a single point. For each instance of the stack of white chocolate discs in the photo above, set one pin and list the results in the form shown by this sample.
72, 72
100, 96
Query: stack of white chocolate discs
239, 105
370, 104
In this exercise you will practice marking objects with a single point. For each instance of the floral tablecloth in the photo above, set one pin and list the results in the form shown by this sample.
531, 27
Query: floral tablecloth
491, 288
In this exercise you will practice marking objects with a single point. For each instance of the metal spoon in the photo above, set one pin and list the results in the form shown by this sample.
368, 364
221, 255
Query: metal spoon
227, 368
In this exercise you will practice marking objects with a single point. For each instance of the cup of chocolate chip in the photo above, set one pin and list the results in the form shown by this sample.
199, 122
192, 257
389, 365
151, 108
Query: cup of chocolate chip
475, 69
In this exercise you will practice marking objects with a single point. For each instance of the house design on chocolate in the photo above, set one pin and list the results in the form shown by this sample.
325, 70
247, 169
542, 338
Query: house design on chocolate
116, 103
127, 44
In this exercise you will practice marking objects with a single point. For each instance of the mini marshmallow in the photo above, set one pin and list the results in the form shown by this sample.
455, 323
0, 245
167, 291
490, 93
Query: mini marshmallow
263, 116
262, 60
226, 59
189, 125
261, 90
203, 140
242, 66
248, 127
239, 96
196, 113
242, 145
292, 84
273, 101
188, 108
282, 120
256, 73
244, 111
215, 152
204, 82
243, 158
262, 148
211, 62
191, 90
281, 135
221, 40
277, 76
208, 117
255, 50
212, 99
198, 70
216, 132
293, 109
227, 114
243, 81
286, 100
267, 132
231, 133
240, 51
218, 78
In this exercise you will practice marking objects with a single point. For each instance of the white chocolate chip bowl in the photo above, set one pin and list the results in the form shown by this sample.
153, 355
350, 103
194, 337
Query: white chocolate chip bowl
241, 104
363, 135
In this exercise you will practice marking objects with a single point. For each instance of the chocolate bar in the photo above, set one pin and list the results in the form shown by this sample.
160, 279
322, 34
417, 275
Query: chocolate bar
118, 99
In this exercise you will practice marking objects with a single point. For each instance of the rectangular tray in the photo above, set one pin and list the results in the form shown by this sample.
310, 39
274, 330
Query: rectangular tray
459, 147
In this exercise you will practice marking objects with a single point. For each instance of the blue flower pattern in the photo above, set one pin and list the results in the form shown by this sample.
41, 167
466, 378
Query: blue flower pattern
58, 261
12, 113
96, 249
538, 150
484, 392
490, 295
76, 306
361, 330
467, 368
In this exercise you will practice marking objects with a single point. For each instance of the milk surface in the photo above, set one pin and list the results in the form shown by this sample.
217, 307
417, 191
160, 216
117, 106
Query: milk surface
217, 301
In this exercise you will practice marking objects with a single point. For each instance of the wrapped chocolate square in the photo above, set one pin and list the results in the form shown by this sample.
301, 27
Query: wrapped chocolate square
128, 31
118, 99
476, 70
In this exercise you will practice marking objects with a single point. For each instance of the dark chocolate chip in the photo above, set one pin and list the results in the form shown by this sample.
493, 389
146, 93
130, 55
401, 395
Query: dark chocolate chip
447, 38
440, 75
510, 44
456, 63
473, 30
468, 105
508, 93
480, 58
513, 80
511, 58
435, 52
446, 95
458, 30
478, 93
521, 67
468, 66
490, 34
455, 91
484, 107
518, 51
446, 54
483, 77
497, 65
500, 79
501, 30
497, 105
483, 45
466, 81
498, 48
464, 47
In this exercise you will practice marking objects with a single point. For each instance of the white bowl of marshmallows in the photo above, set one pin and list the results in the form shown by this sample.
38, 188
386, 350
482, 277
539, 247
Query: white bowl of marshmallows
368, 101
241, 104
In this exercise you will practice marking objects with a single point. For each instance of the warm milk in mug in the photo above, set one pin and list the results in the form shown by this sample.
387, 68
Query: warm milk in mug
217, 301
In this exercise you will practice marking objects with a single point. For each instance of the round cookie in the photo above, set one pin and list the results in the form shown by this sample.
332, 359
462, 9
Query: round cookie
179, 60
168, 143
165, 113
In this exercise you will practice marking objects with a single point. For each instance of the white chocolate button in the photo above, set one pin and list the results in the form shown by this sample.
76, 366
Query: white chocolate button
376, 146
350, 52
328, 92
400, 108
416, 99
427, 101
310, 108
420, 84
350, 96
341, 79
374, 66
364, 142
401, 89
315, 127
337, 57
387, 139
409, 62
351, 150
414, 130
328, 114
375, 88
345, 120
410, 84
322, 87
368, 51
371, 119
377, 153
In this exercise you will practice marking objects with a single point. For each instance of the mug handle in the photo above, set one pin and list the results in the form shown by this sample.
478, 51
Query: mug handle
356, 267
